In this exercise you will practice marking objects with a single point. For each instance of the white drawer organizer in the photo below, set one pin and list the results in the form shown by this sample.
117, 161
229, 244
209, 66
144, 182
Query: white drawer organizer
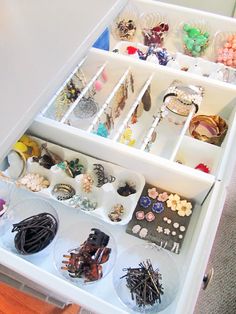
159, 166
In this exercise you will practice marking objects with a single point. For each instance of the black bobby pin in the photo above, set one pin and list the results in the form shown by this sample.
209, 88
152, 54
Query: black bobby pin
144, 284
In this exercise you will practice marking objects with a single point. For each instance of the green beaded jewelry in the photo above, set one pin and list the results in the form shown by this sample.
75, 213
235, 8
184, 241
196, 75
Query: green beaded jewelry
195, 41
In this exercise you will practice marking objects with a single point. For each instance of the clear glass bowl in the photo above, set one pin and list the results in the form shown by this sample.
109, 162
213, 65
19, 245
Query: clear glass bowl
20, 211
71, 238
161, 260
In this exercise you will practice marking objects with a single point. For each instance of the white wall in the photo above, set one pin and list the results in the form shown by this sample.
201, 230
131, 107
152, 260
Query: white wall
224, 7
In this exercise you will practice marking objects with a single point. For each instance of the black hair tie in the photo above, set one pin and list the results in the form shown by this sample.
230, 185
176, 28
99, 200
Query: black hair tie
34, 233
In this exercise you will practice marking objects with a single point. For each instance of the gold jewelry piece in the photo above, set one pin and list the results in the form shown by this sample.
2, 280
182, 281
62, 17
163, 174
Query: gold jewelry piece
180, 98
210, 129
63, 191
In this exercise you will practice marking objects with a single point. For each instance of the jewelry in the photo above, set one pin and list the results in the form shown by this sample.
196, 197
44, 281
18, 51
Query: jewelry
202, 167
176, 225
127, 189
98, 85
126, 29
34, 182
65, 98
83, 203
120, 100
137, 113
87, 183
175, 247
184, 208
63, 191
158, 207
154, 29
152, 193
180, 98
143, 232
144, 201
126, 137
173, 233
182, 228
101, 177
226, 54
27, 146
210, 129
167, 231
140, 215
162, 197
102, 130
150, 216
131, 80
180, 236
117, 213
86, 108
195, 40
159, 229
146, 99
136, 228
12, 170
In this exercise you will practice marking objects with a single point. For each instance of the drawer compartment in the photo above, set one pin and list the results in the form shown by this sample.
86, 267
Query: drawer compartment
110, 110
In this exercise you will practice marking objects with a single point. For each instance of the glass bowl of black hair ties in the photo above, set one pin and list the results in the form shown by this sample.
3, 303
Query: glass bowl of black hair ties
32, 228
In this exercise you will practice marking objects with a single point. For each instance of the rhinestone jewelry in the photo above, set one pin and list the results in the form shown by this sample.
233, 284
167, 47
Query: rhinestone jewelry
86, 108
63, 191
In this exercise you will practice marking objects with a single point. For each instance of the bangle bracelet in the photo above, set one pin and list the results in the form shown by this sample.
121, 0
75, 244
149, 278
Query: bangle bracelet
210, 129
180, 98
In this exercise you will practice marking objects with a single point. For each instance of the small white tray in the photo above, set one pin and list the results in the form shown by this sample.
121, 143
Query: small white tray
105, 196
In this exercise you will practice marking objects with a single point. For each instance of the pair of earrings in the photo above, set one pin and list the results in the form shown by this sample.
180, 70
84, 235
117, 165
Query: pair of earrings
142, 232
98, 84
140, 215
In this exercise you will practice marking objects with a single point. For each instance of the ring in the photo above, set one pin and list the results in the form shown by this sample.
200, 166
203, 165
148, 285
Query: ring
63, 191
210, 129
180, 98
22, 158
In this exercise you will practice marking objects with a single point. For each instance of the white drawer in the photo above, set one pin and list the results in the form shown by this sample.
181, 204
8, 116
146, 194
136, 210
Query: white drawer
159, 168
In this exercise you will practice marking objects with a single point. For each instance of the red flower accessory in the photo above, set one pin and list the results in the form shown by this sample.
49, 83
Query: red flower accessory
202, 167
131, 50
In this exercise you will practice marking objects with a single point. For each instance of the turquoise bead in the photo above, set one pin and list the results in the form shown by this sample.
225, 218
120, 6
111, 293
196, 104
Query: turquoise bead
102, 130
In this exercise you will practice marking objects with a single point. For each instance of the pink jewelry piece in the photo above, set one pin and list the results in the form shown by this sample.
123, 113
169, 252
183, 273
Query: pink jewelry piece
152, 193
227, 54
98, 85
150, 216
104, 76
140, 215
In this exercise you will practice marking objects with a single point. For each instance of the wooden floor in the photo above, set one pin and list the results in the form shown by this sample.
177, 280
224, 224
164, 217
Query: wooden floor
13, 301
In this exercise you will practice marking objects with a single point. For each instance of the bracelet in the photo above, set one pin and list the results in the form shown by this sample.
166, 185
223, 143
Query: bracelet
210, 129
180, 98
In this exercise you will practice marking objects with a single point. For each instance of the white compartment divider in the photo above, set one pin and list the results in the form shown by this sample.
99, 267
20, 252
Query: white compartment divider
150, 132
89, 85
193, 152
63, 86
109, 99
133, 107
184, 130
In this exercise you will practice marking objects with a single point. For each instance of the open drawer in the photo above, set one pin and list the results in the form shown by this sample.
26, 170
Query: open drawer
159, 163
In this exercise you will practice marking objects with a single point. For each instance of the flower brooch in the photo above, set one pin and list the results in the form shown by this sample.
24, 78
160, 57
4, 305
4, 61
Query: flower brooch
173, 201
183, 207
